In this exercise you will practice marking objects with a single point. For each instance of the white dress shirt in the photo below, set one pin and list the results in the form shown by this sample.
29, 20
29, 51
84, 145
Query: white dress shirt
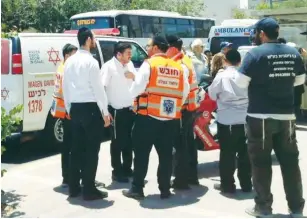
142, 79
116, 84
82, 81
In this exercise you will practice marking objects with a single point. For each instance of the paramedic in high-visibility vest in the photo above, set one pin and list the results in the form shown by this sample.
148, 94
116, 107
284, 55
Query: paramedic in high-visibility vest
160, 88
186, 151
58, 111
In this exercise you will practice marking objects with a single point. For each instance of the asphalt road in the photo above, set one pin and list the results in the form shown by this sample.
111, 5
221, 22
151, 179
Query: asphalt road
33, 179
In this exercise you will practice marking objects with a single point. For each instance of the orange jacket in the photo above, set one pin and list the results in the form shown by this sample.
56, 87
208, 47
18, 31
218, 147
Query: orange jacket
58, 106
191, 103
163, 94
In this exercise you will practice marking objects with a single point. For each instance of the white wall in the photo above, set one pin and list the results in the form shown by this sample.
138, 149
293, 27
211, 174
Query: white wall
220, 9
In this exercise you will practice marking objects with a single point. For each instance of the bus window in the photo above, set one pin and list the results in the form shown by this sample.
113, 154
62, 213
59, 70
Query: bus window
237, 41
92, 23
147, 26
184, 29
169, 26
132, 22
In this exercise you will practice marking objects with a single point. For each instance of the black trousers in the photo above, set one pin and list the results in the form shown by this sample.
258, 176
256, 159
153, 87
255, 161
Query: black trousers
233, 154
263, 136
147, 132
186, 151
66, 149
87, 132
121, 142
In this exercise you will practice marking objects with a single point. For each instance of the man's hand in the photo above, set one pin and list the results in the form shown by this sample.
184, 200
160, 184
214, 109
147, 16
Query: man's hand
107, 120
129, 75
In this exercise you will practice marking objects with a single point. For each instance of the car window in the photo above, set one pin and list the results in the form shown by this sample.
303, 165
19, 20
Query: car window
95, 53
138, 54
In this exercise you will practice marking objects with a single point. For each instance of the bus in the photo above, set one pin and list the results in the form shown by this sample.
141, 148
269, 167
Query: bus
143, 24
236, 31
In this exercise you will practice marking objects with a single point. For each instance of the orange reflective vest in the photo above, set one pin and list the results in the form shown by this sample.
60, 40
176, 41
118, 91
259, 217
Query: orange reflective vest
191, 103
163, 95
58, 106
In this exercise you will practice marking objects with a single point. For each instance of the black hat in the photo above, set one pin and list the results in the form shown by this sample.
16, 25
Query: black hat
174, 41
267, 25
304, 33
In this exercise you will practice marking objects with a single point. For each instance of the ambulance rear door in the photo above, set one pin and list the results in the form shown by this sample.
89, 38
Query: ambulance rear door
238, 35
41, 56
11, 76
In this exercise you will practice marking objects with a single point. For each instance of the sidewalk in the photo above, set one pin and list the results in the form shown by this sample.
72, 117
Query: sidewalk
34, 188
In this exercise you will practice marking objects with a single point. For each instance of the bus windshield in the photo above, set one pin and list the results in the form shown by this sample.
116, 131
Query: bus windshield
92, 23
237, 42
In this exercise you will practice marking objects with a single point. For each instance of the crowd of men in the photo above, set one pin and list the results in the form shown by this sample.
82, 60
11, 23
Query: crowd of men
155, 106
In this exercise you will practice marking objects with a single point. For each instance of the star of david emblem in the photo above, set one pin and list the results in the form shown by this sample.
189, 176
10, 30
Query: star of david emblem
4, 93
53, 56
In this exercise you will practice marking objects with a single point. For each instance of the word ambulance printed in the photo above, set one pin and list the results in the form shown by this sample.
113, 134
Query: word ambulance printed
233, 30
168, 77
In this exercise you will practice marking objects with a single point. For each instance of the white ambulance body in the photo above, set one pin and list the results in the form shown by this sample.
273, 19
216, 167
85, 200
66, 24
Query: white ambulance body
28, 67
236, 31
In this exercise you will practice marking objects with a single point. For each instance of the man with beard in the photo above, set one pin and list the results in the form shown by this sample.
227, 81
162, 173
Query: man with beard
270, 71
86, 102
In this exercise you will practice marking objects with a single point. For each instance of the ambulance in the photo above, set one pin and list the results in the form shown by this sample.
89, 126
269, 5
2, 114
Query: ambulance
28, 65
235, 31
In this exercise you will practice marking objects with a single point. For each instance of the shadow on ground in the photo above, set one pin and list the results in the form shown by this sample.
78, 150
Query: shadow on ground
211, 169
10, 203
179, 198
98, 204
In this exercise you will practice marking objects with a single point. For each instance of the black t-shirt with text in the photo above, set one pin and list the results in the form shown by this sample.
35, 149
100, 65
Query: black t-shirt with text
272, 68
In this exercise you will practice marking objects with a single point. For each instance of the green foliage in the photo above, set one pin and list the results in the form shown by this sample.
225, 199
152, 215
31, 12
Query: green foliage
238, 14
53, 15
9, 123
283, 5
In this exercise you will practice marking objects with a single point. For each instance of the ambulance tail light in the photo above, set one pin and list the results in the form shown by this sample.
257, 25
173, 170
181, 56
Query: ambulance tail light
17, 64
217, 34
246, 33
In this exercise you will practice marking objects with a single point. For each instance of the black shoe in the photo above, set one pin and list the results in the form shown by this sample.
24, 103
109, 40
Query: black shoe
180, 186
128, 173
73, 193
97, 184
230, 190
165, 195
296, 214
64, 183
95, 195
120, 178
256, 212
132, 193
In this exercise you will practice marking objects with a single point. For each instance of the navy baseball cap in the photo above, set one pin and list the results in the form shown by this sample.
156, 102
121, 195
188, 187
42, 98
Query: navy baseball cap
225, 44
267, 25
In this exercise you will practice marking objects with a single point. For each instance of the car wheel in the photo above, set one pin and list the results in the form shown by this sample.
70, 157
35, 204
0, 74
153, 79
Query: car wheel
53, 133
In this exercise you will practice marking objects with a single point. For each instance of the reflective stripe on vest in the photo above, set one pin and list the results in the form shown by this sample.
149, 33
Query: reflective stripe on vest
191, 103
58, 95
164, 91
163, 94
